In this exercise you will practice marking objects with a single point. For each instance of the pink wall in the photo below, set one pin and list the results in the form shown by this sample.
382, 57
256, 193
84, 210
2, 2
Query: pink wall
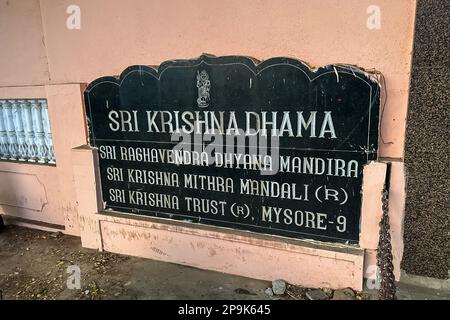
115, 34
41, 58
46, 192
23, 57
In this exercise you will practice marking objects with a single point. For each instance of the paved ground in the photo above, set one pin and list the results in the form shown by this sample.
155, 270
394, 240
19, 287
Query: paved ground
33, 265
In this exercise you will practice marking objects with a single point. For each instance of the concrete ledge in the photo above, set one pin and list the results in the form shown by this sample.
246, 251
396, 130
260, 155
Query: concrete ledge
426, 282
266, 257
39, 225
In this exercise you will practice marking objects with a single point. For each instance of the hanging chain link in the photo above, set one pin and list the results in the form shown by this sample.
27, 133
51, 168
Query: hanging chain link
384, 253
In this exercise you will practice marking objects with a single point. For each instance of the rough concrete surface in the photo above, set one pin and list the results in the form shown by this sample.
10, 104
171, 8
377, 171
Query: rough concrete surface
427, 152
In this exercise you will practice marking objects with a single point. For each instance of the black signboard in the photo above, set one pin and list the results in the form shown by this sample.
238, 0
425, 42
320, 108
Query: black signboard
271, 147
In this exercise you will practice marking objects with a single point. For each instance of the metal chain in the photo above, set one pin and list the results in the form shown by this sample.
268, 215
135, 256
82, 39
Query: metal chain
384, 253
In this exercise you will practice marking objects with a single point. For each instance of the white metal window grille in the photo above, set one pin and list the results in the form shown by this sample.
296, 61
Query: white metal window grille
25, 133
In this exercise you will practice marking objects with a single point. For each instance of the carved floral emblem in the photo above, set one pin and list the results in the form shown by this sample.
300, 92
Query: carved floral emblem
203, 85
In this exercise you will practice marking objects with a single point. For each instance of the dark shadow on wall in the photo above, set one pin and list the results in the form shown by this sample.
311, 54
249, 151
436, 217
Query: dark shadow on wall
4, 208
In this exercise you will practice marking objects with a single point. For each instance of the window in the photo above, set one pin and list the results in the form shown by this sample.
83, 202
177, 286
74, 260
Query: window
25, 133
